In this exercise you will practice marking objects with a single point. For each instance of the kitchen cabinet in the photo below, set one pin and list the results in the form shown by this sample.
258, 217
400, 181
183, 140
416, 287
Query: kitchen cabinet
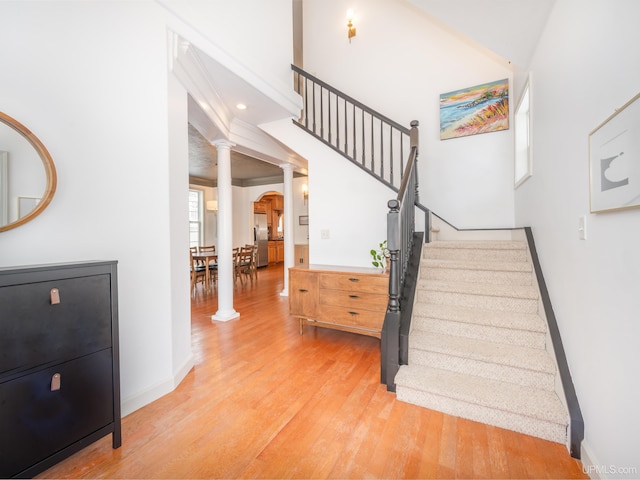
277, 203
259, 207
301, 254
273, 251
276, 251
353, 299
59, 369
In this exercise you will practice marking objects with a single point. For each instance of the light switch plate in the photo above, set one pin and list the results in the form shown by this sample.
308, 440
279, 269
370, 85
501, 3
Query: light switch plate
324, 234
582, 227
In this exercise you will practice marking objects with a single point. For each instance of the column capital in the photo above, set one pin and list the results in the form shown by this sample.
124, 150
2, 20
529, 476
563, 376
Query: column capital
287, 167
223, 144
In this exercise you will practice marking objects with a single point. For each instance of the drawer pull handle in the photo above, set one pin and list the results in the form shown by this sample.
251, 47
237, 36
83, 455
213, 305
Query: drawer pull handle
354, 313
353, 279
354, 296
302, 290
55, 382
54, 295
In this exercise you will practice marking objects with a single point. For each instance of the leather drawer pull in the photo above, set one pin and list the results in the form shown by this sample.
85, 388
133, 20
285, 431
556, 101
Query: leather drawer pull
354, 296
302, 290
55, 382
54, 295
353, 279
354, 313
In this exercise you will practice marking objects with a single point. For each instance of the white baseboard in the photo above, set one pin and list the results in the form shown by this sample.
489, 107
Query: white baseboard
590, 465
134, 402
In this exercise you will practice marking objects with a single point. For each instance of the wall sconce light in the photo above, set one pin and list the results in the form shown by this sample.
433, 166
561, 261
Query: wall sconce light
305, 192
351, 30
212, 206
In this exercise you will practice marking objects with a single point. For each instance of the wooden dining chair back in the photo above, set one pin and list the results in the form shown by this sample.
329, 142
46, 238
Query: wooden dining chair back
213, 262
198, 271
243, 265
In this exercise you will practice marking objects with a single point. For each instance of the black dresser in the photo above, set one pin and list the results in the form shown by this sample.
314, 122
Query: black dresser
59, 373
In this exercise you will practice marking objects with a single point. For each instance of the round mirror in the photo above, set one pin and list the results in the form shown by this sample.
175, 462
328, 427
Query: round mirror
27, 174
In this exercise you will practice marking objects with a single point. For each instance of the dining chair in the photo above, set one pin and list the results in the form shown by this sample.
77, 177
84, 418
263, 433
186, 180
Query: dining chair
213, 263
198, 271
253, 268
244, 261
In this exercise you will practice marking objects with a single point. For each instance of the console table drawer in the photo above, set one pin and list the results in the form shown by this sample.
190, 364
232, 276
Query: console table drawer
366, 319
354, 299
354, 282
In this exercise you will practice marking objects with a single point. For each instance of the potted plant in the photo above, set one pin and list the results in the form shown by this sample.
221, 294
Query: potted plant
380, 257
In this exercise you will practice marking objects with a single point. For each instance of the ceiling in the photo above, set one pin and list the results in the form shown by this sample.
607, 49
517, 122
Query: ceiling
246, 171
509, 28
520, 24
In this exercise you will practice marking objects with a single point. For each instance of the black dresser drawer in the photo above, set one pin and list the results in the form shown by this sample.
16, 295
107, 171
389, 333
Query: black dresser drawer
37, 422
45, 344
35, 332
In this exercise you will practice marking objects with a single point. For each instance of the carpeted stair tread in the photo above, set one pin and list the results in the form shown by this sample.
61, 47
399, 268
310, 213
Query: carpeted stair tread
468, 265
478, 244
477, 316
487, 289
531, 359
526, 401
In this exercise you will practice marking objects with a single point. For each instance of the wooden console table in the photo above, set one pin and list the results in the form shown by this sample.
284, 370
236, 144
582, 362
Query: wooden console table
352, 299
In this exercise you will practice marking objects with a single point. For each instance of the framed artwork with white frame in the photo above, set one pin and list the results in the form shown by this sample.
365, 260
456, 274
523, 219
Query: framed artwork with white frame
614, 160
522, 167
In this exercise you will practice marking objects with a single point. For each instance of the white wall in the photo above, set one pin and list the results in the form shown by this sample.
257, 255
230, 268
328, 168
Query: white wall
586, 65
345, 204
399, 63
90, 80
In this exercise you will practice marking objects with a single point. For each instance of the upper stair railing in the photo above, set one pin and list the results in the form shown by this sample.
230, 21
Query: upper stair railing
370, 140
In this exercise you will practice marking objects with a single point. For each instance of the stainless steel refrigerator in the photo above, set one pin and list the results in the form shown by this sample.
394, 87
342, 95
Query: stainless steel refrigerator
261, 238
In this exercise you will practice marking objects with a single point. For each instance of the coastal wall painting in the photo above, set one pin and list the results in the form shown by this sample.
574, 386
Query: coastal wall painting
614, 160
470, 111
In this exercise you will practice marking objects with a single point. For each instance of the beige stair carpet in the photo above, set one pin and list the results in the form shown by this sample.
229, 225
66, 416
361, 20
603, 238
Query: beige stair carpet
477, 343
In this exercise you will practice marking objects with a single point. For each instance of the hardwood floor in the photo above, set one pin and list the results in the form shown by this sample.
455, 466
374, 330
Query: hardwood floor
264, 402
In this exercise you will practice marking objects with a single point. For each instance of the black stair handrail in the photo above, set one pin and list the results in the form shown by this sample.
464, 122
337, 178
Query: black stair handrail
404, 251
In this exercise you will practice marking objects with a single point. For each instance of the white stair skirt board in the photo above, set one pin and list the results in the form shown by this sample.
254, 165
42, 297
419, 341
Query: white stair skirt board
477, 343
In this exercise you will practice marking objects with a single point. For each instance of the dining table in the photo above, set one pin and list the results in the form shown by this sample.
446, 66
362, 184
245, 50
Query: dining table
207, 258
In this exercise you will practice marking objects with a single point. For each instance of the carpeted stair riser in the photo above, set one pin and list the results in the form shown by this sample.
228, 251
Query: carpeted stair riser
505, 373
524, 338
474, 255
504, 304
496, 277
475, 316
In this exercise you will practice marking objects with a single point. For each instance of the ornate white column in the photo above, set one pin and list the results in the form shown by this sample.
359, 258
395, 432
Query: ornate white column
289, 241
224, 248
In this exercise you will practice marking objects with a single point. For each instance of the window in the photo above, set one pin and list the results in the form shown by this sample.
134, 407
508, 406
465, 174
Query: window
522, 165
195, 218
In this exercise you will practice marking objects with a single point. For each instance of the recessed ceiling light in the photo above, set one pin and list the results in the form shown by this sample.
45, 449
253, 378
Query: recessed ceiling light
241, 106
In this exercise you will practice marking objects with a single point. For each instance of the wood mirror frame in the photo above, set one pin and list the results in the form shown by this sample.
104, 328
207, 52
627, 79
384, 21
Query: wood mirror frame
49, 168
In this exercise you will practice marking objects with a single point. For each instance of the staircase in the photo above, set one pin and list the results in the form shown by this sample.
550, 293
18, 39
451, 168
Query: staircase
477, 346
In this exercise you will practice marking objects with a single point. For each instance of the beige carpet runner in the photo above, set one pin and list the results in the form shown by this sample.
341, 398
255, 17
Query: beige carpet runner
477, 347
